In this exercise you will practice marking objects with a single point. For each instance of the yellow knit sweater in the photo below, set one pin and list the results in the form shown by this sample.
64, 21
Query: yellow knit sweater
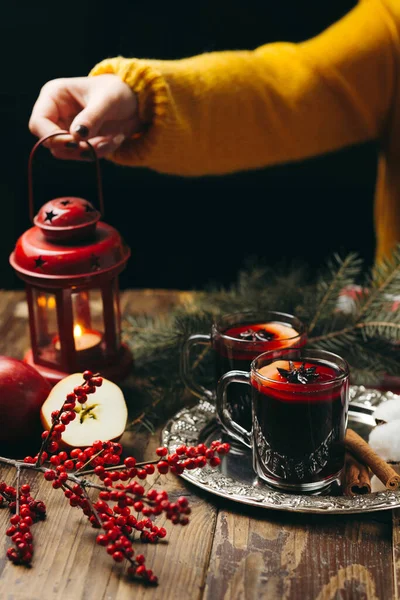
227, 111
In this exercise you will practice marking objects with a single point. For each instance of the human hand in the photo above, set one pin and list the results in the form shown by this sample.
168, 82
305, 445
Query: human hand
101, 110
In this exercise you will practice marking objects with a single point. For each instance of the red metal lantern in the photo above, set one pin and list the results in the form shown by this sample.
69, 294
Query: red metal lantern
70, 262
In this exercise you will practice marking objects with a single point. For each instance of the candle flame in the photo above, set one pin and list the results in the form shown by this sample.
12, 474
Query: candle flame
41, 301
77, 331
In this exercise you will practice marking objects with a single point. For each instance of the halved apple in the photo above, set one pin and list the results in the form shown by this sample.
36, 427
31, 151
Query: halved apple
102, 417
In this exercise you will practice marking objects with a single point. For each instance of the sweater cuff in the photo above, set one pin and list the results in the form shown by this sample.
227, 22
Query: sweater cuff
153, 104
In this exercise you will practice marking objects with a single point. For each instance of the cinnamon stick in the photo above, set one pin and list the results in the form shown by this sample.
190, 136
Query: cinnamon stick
363, 452
357, 479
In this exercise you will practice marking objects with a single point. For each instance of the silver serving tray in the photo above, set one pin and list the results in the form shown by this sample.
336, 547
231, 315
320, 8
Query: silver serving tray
235, 480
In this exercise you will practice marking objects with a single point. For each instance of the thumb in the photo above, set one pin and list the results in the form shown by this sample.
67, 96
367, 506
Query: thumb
89, 121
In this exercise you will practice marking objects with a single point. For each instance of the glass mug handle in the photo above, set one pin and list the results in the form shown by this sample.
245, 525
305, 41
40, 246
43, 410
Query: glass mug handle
233, 428
186, 373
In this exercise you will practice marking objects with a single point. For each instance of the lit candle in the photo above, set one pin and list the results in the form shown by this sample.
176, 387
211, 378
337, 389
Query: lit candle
85, 339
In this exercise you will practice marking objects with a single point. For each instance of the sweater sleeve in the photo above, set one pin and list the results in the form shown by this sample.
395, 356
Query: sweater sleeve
236, 110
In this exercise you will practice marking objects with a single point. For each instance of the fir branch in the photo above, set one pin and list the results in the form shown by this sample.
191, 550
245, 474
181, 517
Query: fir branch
343, 274
366, 334
383, 283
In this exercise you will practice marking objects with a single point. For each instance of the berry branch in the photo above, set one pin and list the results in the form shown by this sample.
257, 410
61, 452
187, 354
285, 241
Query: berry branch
119, 492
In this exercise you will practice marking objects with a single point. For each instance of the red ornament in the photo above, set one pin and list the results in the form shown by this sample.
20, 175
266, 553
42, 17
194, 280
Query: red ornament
70, 262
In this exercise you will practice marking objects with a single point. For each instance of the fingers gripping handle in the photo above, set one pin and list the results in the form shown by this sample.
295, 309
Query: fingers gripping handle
233, 428
30, 178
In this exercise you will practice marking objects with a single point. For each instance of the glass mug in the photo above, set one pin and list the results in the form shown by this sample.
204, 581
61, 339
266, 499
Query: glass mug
237, 338
299, 417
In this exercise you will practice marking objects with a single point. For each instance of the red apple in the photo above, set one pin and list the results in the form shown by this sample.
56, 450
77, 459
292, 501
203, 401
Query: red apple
22, 393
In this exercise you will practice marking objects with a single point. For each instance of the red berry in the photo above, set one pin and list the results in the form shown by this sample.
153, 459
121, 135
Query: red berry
141, 570
102, 540
162, 451
49, 475
15, 519
201, 449
53, 447
162, 467
223, 448
79, 390
87, 375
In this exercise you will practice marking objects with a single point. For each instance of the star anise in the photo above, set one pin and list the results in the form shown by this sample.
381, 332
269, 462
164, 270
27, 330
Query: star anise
261, 335
302, 374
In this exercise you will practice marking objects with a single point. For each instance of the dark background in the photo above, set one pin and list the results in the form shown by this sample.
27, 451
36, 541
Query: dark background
184, 233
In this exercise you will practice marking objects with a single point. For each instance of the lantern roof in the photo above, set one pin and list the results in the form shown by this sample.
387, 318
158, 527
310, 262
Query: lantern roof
79, 260
66, 218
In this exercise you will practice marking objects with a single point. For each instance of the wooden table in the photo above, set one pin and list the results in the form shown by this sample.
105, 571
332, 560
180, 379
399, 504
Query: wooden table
228, 551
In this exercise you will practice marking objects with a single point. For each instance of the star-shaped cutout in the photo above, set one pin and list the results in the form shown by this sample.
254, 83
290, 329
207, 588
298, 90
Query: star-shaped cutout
39, 262
50, 216
94, 262
89, 208
65, 202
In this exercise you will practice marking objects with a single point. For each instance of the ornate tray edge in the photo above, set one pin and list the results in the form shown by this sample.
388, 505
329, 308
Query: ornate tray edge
186, 426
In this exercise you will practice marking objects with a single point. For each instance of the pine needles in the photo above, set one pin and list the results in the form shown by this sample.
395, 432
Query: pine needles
345, 310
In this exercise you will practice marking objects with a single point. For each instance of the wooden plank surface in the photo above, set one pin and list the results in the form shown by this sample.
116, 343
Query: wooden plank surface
396, 553
228, 551
67, 564
263, 554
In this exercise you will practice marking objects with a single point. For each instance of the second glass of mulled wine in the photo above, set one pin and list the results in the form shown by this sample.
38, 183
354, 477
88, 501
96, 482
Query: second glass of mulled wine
236, 339
299, 417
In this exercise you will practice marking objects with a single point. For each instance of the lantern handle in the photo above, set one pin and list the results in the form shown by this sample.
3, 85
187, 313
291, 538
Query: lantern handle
30, 163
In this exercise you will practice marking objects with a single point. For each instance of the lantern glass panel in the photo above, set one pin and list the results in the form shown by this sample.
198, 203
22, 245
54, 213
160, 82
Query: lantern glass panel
115, 291
88, 323
45, 324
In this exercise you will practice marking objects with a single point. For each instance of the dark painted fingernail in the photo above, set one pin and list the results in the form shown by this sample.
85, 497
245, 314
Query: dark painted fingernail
71, 145
86, 154
82, 130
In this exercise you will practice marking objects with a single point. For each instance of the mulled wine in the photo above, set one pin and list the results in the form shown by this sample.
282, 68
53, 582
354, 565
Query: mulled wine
299, 416
237, 344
